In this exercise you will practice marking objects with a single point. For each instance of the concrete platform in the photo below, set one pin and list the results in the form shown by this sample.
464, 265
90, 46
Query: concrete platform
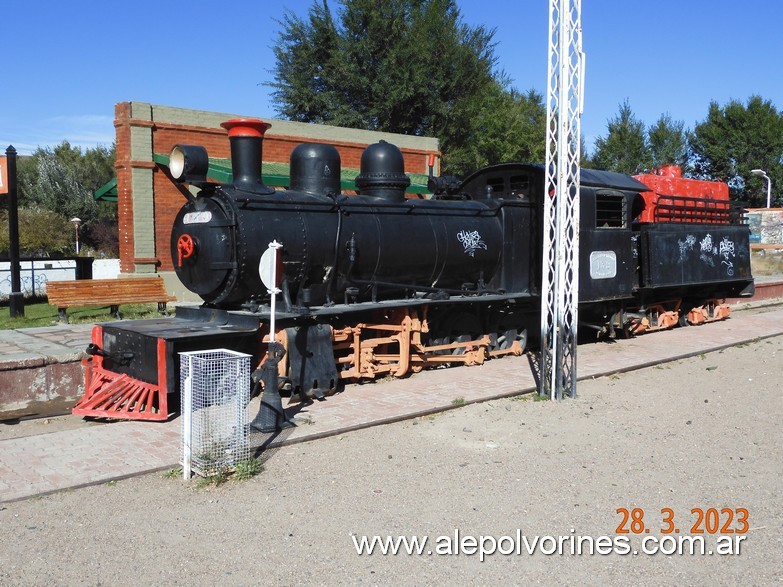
99, 453
40, 369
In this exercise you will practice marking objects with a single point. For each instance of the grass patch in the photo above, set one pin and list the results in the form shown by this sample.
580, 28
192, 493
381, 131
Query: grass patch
174, 473
458, 401
43, 314
248, 469
217, 479
222, 474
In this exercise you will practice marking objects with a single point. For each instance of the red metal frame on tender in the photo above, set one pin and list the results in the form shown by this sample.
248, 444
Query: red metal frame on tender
677, 199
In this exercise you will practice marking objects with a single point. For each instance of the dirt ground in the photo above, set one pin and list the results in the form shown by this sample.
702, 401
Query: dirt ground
698, 433
765, 262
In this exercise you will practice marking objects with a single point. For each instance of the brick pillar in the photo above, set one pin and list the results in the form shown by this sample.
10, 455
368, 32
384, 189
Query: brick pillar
135, 197
122, 117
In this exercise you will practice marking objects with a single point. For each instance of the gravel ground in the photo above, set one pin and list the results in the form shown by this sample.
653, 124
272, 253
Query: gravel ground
697, 433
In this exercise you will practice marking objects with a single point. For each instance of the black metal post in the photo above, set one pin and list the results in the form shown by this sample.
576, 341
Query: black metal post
16, 299
271, 415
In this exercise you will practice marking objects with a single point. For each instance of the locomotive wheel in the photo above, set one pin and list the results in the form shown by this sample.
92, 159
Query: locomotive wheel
464, 327
505, 329
520, 335
456, 327
461, 338
682, 320
506, 338
626, 331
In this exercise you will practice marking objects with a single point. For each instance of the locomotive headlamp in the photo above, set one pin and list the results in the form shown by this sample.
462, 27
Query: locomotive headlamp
189, 163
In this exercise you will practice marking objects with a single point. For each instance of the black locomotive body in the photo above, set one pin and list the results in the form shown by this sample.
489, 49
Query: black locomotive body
376, 283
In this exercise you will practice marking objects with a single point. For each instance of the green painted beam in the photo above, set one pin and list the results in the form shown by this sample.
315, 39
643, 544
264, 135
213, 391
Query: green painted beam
107, 192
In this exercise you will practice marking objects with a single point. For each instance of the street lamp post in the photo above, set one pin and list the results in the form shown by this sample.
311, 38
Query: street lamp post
763, 174
76, 222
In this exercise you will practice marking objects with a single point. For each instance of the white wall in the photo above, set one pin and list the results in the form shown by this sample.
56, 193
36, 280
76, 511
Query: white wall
105, 268
35, 274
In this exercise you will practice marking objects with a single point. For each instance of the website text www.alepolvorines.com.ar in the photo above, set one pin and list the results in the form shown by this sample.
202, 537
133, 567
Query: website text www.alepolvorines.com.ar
519, 544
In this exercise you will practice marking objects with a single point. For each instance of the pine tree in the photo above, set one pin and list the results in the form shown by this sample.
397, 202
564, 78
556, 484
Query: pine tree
625, 148
668, 142
736, 138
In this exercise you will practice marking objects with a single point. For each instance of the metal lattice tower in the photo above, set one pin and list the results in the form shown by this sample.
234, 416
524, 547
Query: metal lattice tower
560, 269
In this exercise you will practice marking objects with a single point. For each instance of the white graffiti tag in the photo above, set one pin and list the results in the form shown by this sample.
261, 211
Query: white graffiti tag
726, 248
726, 251
686, 245
471, 241
706, 250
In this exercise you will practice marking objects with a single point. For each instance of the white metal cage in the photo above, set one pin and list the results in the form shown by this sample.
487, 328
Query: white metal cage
215, 388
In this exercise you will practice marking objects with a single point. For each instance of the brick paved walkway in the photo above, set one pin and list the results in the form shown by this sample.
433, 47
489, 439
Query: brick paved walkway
94, 454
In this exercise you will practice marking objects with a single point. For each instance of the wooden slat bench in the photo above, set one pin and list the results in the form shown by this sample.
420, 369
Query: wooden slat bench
107, 292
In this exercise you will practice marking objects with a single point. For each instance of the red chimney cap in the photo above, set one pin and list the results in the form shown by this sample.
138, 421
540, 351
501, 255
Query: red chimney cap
245, 127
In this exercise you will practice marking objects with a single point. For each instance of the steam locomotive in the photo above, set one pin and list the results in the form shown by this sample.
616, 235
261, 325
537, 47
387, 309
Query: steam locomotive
377, 284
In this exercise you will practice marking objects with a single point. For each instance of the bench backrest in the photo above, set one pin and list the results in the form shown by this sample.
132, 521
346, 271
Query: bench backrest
58, 291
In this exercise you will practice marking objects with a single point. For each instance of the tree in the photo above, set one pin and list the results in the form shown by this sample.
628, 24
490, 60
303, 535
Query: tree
736, 138
62, 180
57, 186
41, 232
510, 126
402, 66
668, 142
625, 148
307, 57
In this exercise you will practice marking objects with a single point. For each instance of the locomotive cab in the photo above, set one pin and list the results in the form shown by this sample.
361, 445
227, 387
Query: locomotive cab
515, 189
607, 247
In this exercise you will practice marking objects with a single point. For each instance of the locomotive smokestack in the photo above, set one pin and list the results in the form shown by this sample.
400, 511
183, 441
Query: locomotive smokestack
247, 138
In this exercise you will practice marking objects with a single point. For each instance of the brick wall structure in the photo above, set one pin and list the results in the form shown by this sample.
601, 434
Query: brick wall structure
147, 201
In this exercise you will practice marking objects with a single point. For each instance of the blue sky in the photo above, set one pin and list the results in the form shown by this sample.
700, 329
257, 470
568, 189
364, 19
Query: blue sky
64, 65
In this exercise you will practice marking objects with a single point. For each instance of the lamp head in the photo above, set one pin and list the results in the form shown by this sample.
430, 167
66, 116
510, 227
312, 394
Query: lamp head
189, 163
